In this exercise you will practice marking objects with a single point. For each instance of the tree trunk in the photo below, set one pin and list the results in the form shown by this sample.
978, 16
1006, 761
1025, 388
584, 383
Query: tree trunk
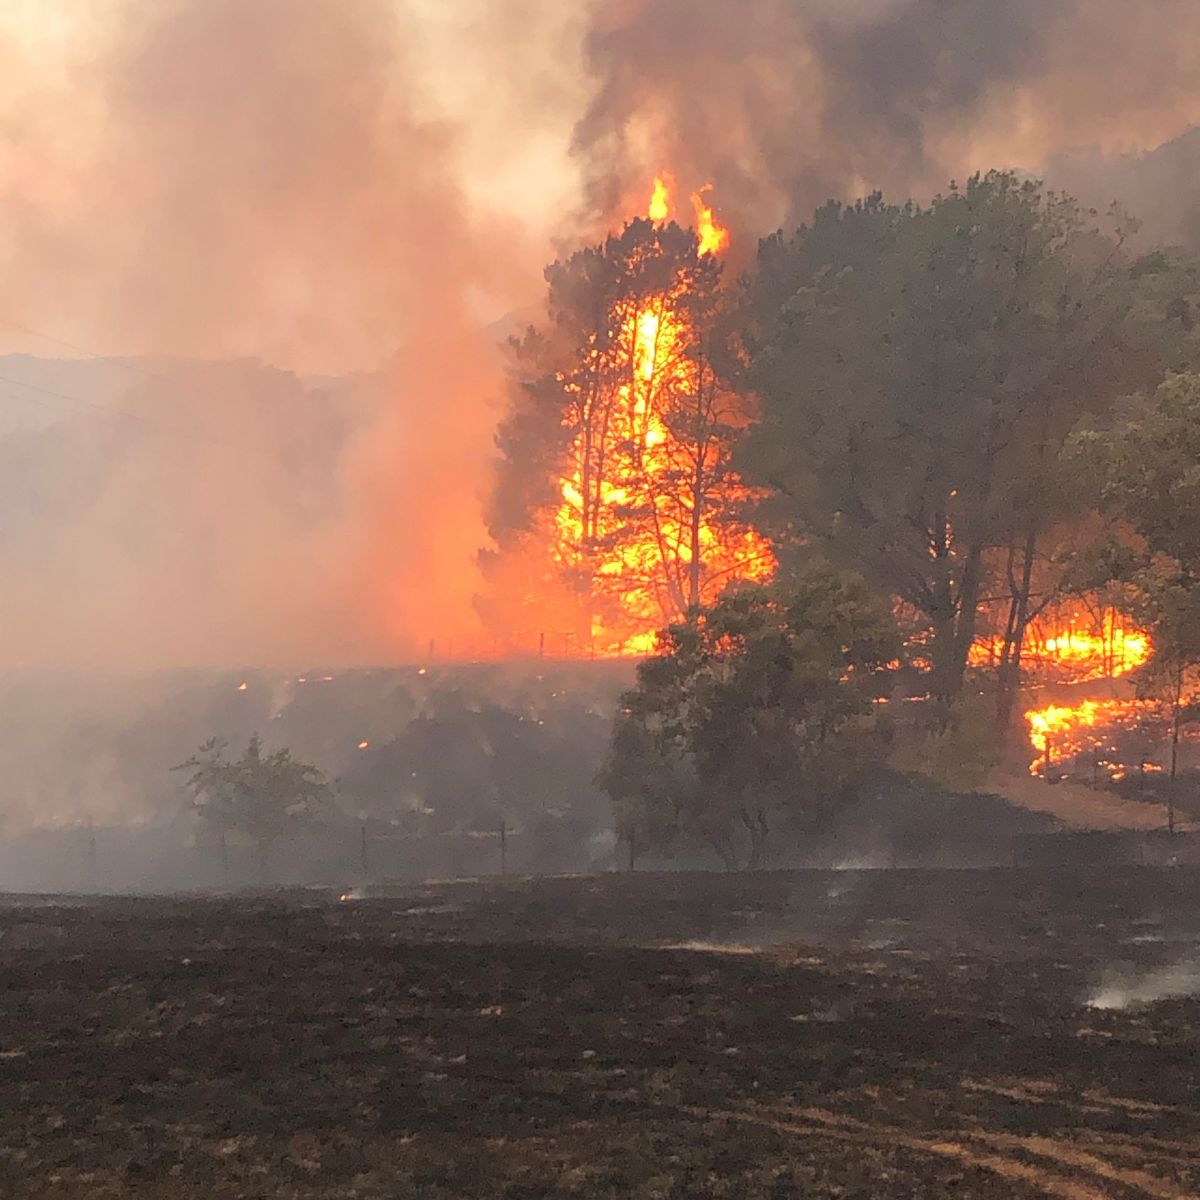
1010, 666
1176, 720
757, 827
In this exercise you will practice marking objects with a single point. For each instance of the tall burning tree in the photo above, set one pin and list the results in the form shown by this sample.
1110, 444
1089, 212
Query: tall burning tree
617, 510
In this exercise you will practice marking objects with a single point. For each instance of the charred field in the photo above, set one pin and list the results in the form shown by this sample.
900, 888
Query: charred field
1015, 1033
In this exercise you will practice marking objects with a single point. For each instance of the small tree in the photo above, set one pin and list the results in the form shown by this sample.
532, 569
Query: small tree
762, 706
260, 796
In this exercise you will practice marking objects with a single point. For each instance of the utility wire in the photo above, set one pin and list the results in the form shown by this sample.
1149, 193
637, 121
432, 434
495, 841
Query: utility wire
148, 422
93, 356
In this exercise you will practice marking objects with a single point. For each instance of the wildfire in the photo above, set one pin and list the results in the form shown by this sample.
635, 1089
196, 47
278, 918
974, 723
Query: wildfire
643, 512
659, 208
1103, 730
1077, 650
713, 238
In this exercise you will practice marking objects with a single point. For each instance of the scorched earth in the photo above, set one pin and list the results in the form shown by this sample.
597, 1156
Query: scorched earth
855, 1034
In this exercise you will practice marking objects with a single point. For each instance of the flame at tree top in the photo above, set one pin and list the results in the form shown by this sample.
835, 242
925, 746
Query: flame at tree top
713, 238
659, 208
649, 520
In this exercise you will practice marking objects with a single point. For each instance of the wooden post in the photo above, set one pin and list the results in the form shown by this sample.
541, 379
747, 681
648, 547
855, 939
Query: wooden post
91, 856
1177, 709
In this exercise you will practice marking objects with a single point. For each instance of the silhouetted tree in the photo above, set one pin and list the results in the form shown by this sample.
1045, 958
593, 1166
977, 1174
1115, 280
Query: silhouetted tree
259, 795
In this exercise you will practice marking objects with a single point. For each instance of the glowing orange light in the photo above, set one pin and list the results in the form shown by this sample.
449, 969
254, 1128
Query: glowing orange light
593, 526
713, 237
1078, 651
659, 208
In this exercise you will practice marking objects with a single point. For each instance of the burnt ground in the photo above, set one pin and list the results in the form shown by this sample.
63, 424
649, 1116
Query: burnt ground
875, 1034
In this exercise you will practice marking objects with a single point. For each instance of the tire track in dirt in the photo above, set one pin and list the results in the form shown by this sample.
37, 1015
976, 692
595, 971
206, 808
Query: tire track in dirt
1057, 1175
1069, 1155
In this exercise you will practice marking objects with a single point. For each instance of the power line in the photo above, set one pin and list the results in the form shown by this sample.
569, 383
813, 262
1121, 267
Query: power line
119, 361
155, 426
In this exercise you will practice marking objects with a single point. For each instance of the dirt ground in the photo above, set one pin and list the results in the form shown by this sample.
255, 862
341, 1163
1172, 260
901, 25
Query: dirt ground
1008, 1033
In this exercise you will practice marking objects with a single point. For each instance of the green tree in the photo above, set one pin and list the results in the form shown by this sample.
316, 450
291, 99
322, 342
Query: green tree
259, 795
919, 370
762, 706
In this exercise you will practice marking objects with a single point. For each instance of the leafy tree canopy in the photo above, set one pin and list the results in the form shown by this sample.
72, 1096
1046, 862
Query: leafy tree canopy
762, 706
919, 369
259, 795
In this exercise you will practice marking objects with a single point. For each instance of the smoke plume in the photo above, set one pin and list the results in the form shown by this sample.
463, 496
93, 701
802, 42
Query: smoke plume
783, 104
228, 183
1132, 989
262, 196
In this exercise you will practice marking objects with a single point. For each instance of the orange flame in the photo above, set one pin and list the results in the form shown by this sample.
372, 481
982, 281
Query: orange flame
659, 208
713, 237
1080, 651
628, 522
1076, 651
1060, 733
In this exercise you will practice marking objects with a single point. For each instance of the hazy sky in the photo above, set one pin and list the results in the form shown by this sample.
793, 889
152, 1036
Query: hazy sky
147, 147
100, 97
332, 186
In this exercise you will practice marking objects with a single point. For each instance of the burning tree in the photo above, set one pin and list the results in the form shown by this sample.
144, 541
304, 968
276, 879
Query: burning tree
618, 511
919, 371
1147, 461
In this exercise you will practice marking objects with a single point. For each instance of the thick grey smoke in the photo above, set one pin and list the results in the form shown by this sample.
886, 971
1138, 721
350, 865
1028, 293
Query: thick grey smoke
1161, 187
783, 104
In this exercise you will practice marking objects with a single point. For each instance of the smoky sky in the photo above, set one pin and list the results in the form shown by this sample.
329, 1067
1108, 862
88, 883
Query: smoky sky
267, 195
274, 187
783, 104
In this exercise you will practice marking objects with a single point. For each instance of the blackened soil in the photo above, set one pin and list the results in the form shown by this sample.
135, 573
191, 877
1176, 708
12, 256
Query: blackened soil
883, 1034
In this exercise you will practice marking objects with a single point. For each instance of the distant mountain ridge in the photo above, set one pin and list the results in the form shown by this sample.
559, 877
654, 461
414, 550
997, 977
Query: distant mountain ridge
1160, 187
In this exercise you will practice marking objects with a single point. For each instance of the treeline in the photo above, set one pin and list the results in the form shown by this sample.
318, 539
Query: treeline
462, 767
945, 418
